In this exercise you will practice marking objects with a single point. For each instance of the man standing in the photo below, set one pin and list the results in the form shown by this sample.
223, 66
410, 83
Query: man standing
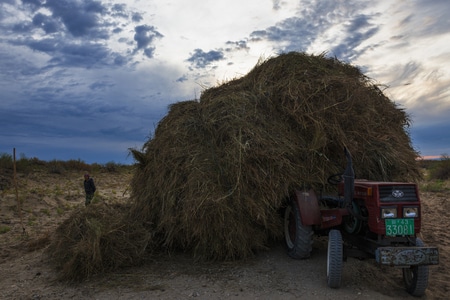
89, 188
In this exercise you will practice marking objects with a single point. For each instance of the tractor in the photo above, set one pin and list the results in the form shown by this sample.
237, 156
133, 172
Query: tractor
364, 219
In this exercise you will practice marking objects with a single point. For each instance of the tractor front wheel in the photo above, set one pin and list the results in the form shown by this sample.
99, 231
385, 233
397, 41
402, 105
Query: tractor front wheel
416, 277
334, 259
298, 237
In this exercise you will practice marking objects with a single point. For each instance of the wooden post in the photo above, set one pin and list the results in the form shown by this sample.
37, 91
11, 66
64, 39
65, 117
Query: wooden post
19, 205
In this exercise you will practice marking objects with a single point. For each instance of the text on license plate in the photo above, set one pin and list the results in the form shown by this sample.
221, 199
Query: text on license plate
395, 227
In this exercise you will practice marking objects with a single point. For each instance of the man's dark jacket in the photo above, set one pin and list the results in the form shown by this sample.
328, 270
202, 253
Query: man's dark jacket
89, 186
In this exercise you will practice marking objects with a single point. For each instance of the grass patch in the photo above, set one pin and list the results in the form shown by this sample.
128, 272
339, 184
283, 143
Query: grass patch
59, 211
4, 229
58, 191
31, 222
434, 186
45, 211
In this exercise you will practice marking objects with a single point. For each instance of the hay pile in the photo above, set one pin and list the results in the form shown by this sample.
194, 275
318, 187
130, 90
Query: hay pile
215, 174
97, 239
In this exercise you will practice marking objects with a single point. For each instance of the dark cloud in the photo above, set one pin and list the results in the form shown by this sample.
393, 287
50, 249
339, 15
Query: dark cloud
80, 18
24, 27
136, 17
48, 46
120, 60
357, 31
149, 51
200, 59
71, 54
358, 22
78, 55
48, 24
182, 78
298, 33
101, 85
313, 19
237, 45
117, 30
73, 33
144, 36
119, 10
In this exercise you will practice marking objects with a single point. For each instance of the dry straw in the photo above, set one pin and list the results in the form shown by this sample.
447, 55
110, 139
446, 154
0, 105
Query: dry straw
217, 172
97, 239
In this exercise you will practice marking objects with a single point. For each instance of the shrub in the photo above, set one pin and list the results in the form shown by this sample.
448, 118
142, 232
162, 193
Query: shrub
26, 165
56, 167
6, 161
23, 164
96, 168
111, 167
76, 164
441, 170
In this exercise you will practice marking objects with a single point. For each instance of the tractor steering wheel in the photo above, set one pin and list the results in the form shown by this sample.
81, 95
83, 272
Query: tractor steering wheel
335, 179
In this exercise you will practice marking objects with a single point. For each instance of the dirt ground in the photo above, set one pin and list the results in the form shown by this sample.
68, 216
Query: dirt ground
48, 199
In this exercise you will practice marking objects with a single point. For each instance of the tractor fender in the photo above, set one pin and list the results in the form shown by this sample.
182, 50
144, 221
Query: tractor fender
309, 207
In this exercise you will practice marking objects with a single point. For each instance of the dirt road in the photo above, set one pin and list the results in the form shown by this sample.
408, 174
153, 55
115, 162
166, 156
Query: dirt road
271, 274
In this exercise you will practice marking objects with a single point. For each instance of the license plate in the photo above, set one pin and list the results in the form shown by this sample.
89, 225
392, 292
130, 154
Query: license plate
396, 227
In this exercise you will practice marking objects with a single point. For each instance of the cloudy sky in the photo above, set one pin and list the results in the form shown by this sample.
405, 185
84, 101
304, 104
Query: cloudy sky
88, 79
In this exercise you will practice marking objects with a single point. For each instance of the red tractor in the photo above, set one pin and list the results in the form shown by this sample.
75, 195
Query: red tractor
366, 219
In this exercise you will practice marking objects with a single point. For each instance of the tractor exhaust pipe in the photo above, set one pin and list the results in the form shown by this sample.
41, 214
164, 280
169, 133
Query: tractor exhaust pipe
349, 180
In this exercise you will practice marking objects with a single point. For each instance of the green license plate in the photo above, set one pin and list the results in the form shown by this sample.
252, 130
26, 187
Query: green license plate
396, 227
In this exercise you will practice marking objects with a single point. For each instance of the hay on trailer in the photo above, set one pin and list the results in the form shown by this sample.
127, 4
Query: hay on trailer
97, 239
217, 171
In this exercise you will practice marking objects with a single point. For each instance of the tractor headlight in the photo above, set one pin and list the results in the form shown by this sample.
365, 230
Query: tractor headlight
410, 212
388, 212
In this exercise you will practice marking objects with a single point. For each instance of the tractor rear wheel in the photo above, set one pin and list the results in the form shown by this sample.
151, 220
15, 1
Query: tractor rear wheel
334, 259
298, 237
352, 224
416, 277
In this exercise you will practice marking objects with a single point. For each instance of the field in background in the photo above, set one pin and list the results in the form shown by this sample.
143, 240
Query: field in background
48, 192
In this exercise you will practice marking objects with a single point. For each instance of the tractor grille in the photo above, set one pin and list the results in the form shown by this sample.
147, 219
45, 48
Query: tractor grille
398, 193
